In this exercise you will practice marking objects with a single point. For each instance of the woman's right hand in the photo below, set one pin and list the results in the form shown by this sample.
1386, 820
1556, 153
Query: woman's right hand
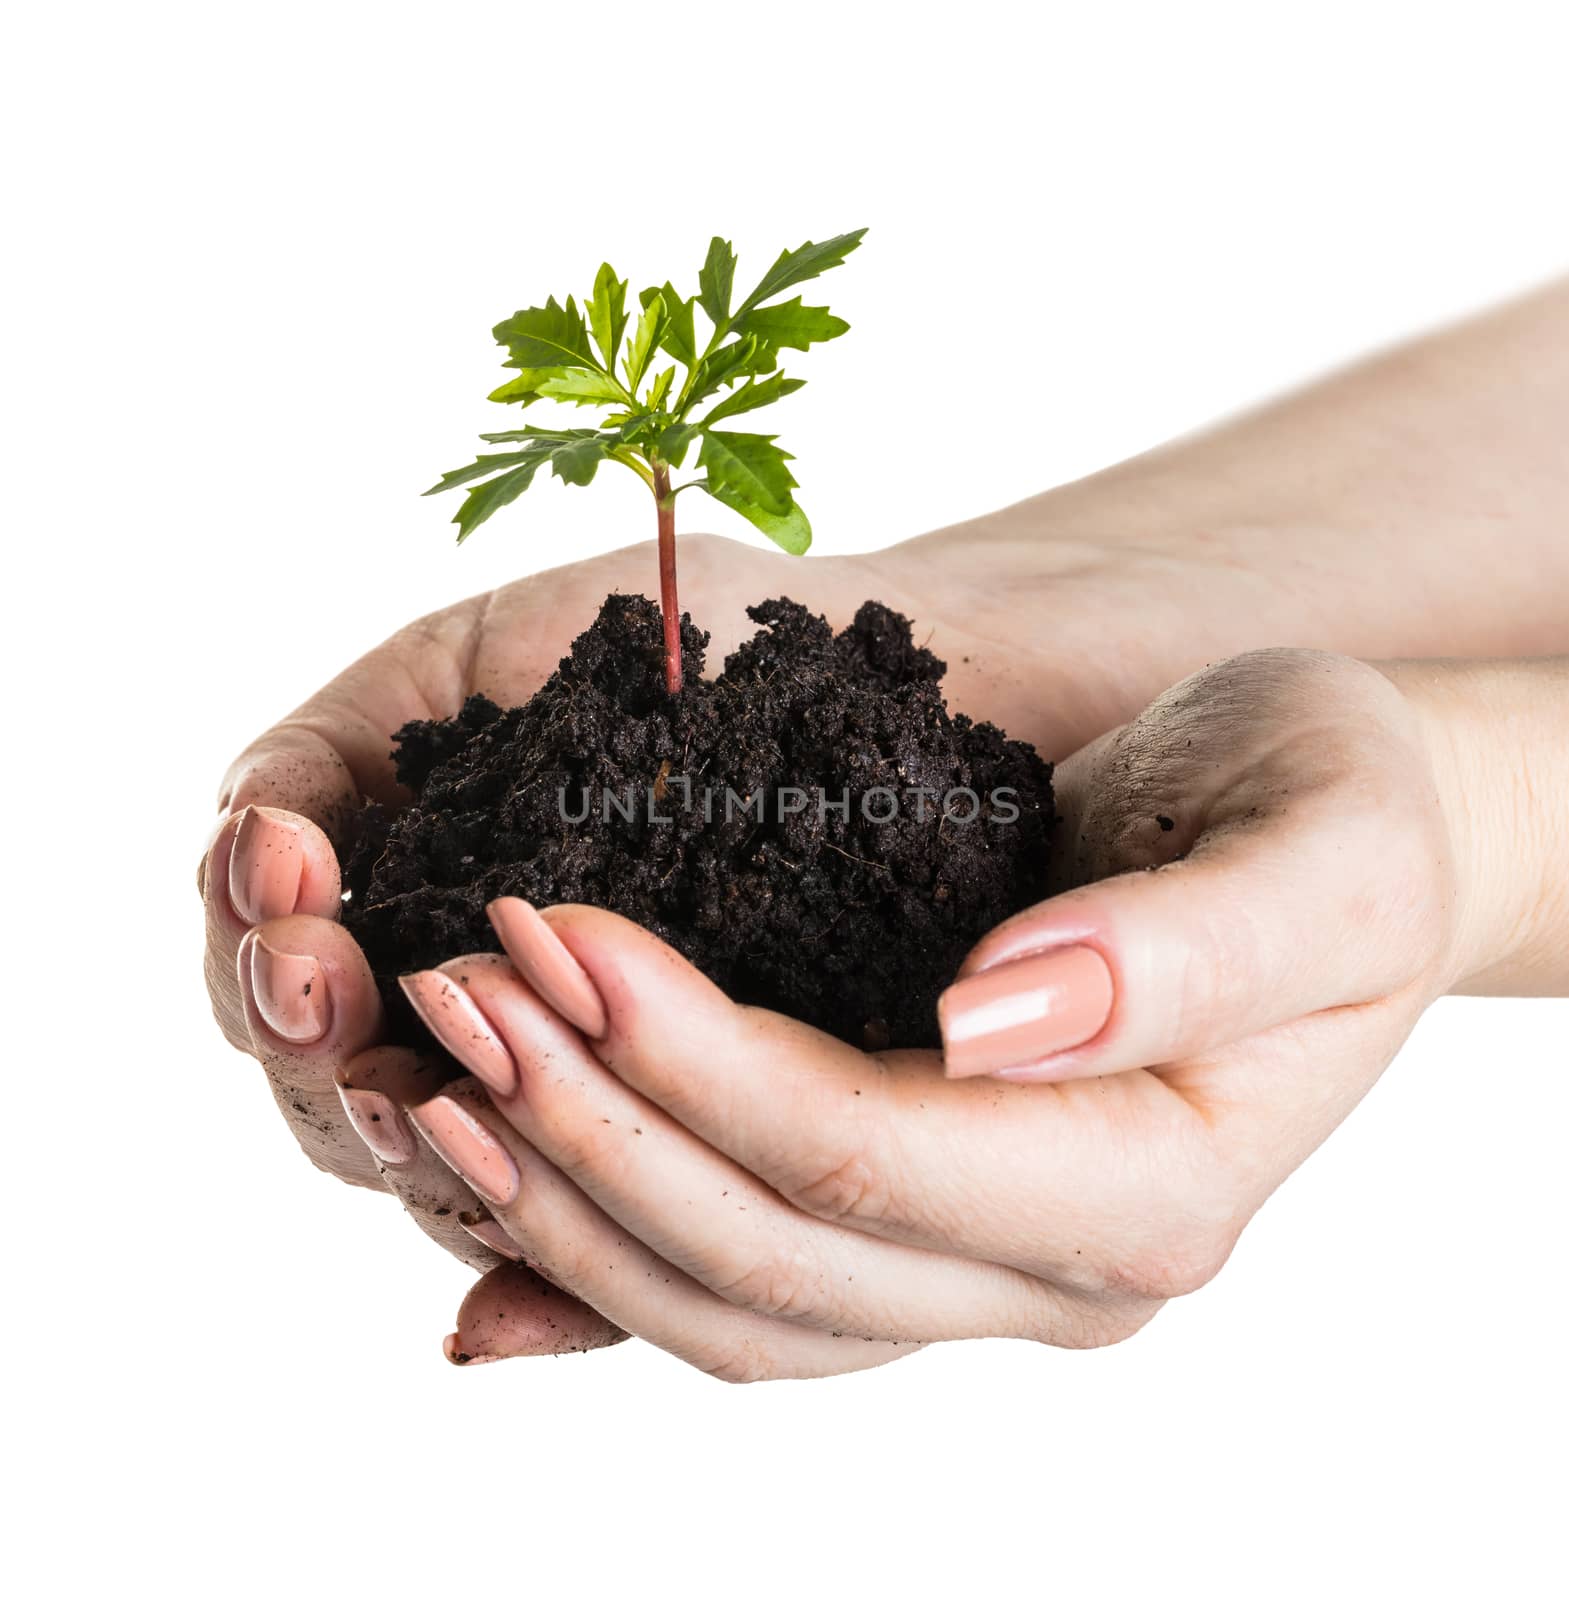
1269, 874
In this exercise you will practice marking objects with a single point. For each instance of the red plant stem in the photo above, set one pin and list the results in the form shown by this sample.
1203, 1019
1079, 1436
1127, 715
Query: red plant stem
669, 606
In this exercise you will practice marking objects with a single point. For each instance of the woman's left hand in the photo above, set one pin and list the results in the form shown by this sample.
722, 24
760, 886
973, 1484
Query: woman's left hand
765, 1201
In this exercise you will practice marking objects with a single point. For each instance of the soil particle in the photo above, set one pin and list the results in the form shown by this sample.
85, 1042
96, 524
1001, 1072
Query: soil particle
689, 822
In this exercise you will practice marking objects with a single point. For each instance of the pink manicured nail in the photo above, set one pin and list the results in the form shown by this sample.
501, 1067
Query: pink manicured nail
461, 1358
1015, 1014
290, 992
469, 1148
264, 866
490, 1233
380, 1123
551, 969
462, 1027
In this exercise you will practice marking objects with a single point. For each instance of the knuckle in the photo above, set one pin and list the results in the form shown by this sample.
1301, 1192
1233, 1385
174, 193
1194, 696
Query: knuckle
1177, 1262
744, 1362
852, 1189
1218, 970
578, 1142
783, 1284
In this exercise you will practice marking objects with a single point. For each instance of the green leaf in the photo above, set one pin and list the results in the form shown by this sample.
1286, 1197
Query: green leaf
607, 313
678, 337
546, 336
567, 353
792, 326
741, 358
649, 327
791, 532
716, 280
584, 388
749, 466
579, 461
490, 497
661, 388
525, 387
796, 266
485, 465
574, 455
674, 442
639, 428
553, 435
754, 394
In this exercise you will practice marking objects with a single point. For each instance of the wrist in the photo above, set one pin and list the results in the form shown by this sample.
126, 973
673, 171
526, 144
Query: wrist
1495, 735
1142, 540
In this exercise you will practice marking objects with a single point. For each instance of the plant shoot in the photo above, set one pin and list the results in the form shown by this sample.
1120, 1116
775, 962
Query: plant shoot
600, 356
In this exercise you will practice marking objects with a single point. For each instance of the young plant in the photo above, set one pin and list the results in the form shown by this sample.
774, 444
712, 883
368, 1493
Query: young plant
571, 356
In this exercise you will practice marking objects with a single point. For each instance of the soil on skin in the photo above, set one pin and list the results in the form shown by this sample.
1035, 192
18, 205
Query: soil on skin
850, 924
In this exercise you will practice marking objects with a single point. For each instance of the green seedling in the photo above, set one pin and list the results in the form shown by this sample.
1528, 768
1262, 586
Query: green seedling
588, 357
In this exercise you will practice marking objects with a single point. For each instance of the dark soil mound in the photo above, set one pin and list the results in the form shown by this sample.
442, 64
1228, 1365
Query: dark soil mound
754, 867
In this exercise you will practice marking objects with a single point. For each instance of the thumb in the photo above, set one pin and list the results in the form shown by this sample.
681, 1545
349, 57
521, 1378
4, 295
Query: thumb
1270, 917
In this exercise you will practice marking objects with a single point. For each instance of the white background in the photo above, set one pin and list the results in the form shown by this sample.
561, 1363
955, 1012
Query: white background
257, 252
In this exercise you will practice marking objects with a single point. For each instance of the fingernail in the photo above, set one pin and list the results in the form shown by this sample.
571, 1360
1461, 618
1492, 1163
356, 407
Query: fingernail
551, 969
380, 1123
264, 866
290, 993
490, 1233
1015, 1014
469, 1148
462, 1027
461, 1358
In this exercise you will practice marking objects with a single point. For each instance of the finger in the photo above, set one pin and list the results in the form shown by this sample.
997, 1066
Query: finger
573, 1244
374, 1089
262, 864
309, 1005
694, 1207
1035, 1180
1287, 907
508, 1313
265, 866
296, 778
287, 796
512, 1311
800, 1110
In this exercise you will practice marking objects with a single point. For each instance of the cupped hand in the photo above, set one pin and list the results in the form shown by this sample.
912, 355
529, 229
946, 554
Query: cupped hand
291, 989
1053, 639
287, 984
1274, 904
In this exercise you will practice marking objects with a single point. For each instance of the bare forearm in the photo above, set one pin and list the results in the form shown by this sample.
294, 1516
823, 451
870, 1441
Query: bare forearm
1416, 504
